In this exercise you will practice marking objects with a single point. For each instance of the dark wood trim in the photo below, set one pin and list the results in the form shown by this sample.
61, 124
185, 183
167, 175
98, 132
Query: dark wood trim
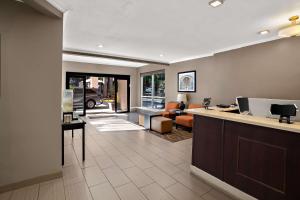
222, 147
281, 190
115, 57
260, 161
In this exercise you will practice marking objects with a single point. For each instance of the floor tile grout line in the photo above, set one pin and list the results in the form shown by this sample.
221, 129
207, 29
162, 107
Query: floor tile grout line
151, 161
10, 195
64, 188
38, 192
83, 174
131, 181
196, 194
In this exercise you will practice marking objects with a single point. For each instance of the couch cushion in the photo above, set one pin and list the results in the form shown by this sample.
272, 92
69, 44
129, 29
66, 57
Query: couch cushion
172, 106
185, 120
192, 105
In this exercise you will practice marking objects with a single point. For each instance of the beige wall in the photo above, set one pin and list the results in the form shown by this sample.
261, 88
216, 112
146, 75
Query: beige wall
30, 103
104, 69
269, 70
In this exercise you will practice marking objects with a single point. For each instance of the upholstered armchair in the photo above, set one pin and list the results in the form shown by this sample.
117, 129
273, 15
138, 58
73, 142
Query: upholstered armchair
187, 120
170, 109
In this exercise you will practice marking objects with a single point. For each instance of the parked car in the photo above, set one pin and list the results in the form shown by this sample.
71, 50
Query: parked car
92, 98
148, 90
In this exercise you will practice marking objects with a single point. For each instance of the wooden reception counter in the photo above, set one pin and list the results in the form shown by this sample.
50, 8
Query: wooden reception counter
245, 154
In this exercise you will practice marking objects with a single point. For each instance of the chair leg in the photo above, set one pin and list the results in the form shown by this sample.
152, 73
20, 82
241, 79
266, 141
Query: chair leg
176, 126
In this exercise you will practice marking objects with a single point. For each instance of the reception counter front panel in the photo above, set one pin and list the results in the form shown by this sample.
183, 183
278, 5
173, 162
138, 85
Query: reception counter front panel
261, 161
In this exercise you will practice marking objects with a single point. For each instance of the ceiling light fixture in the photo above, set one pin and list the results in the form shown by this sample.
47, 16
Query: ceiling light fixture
264, 32
161, 55
100, 45
216, 3
20, 1
291, 30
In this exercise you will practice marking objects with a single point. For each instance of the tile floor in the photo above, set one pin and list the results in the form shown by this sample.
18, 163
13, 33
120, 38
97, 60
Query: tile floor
126, 165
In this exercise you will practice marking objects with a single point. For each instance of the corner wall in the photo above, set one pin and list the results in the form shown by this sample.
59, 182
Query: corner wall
268, 70
30, 101
104, 69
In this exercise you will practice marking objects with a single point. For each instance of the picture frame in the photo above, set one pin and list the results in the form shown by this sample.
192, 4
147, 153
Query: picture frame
186, 81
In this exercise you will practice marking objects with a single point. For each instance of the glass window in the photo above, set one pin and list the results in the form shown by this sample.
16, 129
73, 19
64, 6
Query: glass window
159, 85
153, 90
147, 85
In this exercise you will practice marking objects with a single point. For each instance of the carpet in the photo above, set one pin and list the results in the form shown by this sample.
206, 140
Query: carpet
175, 136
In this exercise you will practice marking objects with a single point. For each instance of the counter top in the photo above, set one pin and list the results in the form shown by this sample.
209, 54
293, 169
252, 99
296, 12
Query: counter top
247, 119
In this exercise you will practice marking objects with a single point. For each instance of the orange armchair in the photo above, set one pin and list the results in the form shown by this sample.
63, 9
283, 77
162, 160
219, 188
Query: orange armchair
187, 120
168, 111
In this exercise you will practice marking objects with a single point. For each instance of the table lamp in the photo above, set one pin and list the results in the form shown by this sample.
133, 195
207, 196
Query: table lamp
182, 98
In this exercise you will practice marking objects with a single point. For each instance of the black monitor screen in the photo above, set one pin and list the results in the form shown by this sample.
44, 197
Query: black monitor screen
243, 103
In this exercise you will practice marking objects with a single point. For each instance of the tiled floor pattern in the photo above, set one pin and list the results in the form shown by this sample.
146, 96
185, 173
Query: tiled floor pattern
126, 165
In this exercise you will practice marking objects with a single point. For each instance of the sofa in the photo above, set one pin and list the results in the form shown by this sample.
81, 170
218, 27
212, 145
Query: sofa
186, 120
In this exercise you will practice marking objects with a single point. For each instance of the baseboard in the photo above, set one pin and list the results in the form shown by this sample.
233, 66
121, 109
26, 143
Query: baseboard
222, 186
31, 181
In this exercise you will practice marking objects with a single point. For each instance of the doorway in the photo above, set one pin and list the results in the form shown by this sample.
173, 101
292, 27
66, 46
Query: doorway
99, 93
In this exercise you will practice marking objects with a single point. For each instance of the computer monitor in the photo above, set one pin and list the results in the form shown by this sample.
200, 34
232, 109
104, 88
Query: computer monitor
243, 103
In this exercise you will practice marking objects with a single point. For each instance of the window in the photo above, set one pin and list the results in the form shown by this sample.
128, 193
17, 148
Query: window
153, 90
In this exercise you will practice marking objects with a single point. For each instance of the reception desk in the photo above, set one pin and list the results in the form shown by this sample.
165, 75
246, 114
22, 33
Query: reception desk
247, 156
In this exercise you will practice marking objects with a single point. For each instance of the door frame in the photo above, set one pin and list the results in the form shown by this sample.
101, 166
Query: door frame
115, 76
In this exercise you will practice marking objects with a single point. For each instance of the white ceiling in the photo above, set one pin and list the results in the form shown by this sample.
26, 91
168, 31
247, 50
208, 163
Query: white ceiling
104, 61
178, 29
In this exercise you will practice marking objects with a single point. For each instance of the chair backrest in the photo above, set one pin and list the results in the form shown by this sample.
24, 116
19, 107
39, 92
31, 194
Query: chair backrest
192, 105
172, 105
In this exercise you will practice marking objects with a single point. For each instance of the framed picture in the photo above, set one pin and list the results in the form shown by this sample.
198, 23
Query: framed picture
187, 81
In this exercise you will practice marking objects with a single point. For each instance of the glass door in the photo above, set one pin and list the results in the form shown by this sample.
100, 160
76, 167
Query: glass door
122, 95
99, 93
78, 85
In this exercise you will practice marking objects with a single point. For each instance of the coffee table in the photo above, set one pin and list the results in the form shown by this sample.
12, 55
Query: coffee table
145, 115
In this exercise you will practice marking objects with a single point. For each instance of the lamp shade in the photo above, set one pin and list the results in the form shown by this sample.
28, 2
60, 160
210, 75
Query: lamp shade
182, 98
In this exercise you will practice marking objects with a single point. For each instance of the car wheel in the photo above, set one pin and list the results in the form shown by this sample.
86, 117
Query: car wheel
90, 104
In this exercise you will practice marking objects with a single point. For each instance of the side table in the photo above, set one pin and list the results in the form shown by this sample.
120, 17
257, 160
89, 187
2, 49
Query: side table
75, 124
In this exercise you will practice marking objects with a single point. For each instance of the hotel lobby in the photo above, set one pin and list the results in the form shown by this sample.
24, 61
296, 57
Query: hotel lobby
149, 100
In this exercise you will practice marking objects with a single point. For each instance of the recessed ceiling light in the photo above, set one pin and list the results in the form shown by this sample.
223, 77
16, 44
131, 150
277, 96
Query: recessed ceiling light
20, 1
161, 55
100, 45
264, 32
216, 3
